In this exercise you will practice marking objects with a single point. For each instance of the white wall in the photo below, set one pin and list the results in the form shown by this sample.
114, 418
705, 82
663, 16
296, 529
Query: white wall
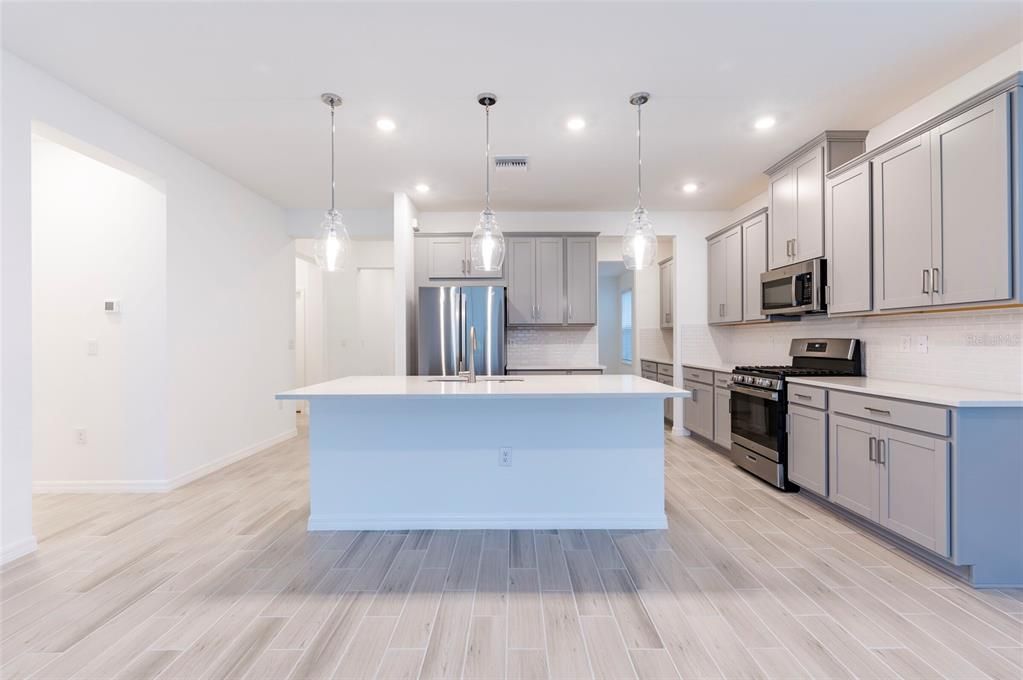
97, 233
405, 353
230, 299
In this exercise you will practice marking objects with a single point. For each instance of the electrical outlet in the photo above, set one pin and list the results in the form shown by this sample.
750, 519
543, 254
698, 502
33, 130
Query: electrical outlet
80, 437
920, 342
905, 341
92, 347
504, 458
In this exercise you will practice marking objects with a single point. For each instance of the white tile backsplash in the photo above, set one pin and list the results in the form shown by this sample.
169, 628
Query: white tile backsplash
655, 344
553, 346
973, 349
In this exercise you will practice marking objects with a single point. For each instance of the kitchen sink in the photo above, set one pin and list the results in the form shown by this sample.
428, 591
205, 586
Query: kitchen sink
482, 378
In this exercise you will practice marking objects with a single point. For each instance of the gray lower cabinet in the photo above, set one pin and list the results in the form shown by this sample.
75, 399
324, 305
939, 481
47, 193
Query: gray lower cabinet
847, 228
852, 470
724, 272
808, 448
723, 417
581, 282
914, 488
754, 263
698, 410
896, 478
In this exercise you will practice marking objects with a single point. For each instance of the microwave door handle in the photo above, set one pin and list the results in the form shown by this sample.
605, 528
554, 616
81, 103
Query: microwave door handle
795, 302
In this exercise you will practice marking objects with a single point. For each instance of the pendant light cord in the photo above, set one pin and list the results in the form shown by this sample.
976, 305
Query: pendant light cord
332, 191
639, 156
487, 108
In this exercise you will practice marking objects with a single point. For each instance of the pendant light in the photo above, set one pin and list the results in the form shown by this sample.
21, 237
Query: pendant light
334, 245
639, 245
486, 247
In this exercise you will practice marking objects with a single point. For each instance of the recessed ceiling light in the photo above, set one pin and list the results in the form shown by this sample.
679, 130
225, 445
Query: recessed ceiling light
764, 123
690, 187
423, 188
386, 125
575, 124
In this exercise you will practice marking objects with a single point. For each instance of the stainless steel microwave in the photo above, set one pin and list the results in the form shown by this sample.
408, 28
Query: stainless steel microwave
795, 289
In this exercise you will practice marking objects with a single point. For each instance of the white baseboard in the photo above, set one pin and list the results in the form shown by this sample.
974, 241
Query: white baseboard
446, 521
13, 551
159, 485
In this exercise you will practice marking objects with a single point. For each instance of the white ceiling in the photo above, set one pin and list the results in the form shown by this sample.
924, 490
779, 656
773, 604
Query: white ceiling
237, 85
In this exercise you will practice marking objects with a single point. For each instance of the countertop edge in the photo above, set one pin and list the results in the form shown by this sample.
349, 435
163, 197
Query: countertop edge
999, 401
567, 395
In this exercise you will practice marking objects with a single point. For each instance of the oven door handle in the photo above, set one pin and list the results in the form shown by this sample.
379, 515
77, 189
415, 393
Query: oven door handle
761, 394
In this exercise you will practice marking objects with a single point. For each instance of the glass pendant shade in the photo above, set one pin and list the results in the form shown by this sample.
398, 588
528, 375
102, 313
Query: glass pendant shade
334, 245
486, 247
639, 245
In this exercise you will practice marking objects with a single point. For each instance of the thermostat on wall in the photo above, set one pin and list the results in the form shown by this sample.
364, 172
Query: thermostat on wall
112, 306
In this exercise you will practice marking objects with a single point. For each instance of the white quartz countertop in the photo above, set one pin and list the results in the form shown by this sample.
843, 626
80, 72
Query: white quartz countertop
556, 367
531, 386
942, 395
709, 366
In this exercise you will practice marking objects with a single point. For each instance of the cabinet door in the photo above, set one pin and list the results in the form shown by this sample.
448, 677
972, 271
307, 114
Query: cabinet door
847, 231
521, 266
447, 257
902, 225
667, 283
808, 448
698, 410
809, 181
581, 283
914, 487
550, 281
782, 228
732, 285
723, 417
972, 246
754, 263
852, 470
716, 267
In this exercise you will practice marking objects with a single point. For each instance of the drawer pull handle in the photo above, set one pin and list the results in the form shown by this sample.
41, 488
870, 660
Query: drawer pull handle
749, 457
882, 411
801, 396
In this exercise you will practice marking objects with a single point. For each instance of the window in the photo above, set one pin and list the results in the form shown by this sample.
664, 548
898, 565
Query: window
627, 326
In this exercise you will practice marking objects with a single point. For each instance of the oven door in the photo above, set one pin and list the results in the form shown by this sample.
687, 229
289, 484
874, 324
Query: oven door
758, 420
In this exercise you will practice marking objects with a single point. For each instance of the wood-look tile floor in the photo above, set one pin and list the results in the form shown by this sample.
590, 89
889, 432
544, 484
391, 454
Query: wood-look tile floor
219, 579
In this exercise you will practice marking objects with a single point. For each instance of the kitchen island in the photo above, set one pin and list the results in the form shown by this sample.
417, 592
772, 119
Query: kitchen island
537, 452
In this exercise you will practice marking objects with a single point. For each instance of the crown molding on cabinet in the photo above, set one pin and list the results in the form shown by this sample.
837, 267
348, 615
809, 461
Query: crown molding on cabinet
747, 218
823, 138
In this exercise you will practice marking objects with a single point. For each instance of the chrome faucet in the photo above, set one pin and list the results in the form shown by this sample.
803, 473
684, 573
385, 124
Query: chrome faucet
470, 375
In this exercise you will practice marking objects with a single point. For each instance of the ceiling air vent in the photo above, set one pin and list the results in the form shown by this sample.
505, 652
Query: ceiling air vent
511, 163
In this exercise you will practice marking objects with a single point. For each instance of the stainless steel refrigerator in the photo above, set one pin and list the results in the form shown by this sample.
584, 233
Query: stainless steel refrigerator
445, 316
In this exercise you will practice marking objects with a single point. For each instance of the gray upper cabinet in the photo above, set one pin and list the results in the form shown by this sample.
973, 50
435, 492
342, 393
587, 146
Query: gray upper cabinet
914, 490
971, 257
667, 280
550, 280
581, 283
852, 471
796, 196
943, 213
521, 268
902, 224
808, 448
754, 263
724, 284
847, 228
446, 257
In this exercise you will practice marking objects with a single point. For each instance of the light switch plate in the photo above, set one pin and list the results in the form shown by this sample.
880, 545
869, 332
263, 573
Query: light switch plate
920, 342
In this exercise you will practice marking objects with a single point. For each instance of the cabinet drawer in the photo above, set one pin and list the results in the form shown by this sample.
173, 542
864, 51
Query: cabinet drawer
722, 380
804, 395
666, 380
698, 375
666, 369
648, 366
650, 375
932, 419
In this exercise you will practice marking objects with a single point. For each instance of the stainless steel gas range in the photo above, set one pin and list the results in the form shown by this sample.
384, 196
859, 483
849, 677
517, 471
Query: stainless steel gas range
760, 402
